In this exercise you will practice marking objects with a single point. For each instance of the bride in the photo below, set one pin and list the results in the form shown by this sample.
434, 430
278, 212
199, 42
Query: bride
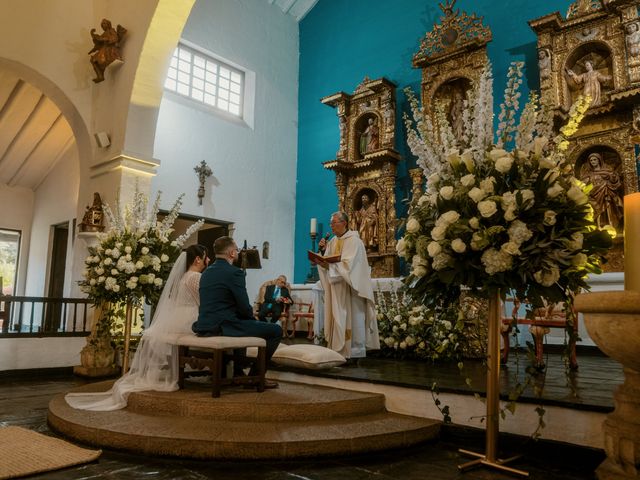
155, 364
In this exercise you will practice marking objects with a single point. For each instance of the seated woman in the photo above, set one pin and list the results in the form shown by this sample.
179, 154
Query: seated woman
155, 364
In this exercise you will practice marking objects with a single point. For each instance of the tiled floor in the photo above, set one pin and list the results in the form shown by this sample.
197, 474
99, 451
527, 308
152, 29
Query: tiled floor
24, 402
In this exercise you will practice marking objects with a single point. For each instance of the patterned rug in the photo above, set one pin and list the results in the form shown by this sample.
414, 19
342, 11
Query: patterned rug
25, 452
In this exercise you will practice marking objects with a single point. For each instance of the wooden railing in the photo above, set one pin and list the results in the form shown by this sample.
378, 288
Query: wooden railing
44, 316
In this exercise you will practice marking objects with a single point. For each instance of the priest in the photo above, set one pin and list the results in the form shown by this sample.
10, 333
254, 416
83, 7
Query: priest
350, 325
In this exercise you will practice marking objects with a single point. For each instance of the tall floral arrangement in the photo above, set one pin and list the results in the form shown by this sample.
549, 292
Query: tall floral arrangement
502, 213
134, 257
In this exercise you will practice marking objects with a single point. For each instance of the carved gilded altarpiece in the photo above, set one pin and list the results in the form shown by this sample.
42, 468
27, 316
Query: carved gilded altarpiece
365, 167
595, 51
452, 57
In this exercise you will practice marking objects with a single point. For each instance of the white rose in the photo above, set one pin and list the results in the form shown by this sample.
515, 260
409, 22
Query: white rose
497, 153
554, 190
438, 232
446, 192
488, 184
134, 279
92, 281
503, 164
468, 180
474, 223
528, 198
487, 208
114, 272
115, 253
546, 278
476, 194
579, 260
433, 180
157, 282
99, 270
510, 214
423, 199
151, 277
127, 249
419, 271
512, 248
403, 345
577, 195
448, 218
174, 243
88, 260
549, 218
116, 288
139, 265
434, 249
458, 246
108, 261
107, 251
401, 247
101, 279
127, 257
413, 226
145, 250
418, 260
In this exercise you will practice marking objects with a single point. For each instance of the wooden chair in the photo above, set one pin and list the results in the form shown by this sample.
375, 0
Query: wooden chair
545, 318
284, 316
303, 310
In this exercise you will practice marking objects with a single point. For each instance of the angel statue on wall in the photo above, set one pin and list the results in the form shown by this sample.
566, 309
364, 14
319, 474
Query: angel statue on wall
106, 47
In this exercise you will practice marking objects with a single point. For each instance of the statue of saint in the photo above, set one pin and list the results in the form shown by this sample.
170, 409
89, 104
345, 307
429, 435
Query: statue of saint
591, 79
633, 40
544, 63
367, 223
605, 197
106, 47
456, 111
370, 138
92, 219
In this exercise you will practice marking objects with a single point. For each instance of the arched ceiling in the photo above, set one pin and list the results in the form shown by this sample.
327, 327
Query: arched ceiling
34, 135
296, 8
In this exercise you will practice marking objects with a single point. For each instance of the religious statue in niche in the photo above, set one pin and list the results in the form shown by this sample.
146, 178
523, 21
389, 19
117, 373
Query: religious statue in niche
370, 138
607, 192
366, 218
452, 95
544, 63
93, 217
590, 81
106, 47
633, 42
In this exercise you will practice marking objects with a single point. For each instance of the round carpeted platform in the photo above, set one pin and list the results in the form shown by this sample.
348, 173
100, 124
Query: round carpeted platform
295, 420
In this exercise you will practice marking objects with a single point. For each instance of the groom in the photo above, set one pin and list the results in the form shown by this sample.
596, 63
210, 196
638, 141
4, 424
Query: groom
224, 304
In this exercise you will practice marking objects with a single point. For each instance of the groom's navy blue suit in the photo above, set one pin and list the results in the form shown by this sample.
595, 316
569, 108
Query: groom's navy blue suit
225, 308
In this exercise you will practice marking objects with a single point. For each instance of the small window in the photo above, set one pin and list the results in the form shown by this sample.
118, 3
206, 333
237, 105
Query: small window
9, 256
206, 80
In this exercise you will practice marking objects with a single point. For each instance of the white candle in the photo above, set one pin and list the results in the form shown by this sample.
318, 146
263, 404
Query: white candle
632, 242
314, 225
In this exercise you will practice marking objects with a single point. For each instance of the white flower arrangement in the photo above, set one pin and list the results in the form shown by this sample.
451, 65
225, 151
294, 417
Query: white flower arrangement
493, 218
411, 330
134, 257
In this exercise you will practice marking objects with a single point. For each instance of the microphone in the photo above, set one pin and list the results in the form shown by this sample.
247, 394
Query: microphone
326, 239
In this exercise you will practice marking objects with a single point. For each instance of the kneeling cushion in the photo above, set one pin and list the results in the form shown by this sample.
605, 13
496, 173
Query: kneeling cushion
313, 357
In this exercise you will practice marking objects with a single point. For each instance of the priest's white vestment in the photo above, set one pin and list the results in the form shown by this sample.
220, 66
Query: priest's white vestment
350, 323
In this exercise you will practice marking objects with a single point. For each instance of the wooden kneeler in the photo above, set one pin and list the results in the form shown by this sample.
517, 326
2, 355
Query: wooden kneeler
209, 352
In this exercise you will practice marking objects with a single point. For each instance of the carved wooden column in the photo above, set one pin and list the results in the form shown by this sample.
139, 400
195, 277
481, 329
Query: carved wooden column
365, 168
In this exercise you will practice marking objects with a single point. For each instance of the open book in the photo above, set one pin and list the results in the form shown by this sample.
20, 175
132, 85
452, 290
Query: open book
317, 258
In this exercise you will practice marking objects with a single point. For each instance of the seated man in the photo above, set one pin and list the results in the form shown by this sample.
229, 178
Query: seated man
224, 304
276, 298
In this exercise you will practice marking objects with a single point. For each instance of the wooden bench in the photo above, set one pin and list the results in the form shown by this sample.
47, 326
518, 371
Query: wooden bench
539, 325
211, 352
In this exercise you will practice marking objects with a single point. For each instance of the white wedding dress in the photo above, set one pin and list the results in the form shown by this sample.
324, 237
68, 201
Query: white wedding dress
155, 364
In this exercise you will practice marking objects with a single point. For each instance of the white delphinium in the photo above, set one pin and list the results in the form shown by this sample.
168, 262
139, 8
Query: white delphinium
510, 106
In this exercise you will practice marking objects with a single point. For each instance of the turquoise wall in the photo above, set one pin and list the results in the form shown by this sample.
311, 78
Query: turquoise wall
341, 41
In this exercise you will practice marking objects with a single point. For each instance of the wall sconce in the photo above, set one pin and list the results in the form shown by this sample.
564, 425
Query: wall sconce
203, 171
248, 258
102, 139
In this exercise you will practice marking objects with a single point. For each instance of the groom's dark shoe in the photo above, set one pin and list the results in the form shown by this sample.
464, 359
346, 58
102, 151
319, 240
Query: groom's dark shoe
268, 384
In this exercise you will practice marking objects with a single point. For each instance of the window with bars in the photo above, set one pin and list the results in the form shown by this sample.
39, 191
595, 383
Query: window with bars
206, 80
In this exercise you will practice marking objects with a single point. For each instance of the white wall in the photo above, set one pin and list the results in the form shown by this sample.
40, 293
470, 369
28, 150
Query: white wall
253, 182
16, 213
55, 202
